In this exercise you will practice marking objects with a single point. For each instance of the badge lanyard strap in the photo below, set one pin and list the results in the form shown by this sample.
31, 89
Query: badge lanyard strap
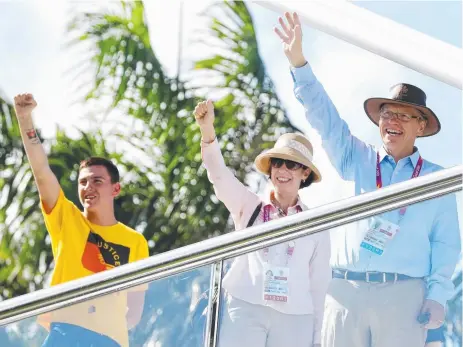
291, 244
379, 181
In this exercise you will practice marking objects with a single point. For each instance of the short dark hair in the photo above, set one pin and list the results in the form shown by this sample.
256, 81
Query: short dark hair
93, 161
308, 181
304, 184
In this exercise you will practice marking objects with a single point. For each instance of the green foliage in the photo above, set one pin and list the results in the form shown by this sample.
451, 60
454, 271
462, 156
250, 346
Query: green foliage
166, 193
180, 207
20, 254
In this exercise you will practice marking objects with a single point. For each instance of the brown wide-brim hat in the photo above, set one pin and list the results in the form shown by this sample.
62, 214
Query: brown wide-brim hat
291, 146
407, 95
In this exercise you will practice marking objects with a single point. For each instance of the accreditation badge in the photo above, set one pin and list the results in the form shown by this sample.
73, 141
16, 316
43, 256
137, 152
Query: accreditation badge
276, 283
380, 232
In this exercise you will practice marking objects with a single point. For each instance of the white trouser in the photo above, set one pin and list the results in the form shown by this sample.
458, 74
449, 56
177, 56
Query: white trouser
364, 314
249, 325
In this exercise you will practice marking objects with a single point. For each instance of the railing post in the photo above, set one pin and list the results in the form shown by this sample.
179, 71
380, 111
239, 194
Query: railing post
213, 307
214, 250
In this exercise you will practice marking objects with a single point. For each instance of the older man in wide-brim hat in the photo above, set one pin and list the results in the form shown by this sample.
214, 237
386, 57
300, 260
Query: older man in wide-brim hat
391, 273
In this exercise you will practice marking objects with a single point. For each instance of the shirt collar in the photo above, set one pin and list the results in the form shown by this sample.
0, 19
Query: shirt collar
413, 157
268, 201
382, 154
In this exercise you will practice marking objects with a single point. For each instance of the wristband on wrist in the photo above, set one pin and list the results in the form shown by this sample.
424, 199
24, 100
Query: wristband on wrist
208, 142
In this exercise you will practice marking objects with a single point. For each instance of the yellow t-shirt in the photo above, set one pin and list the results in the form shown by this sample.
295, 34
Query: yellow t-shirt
80, 249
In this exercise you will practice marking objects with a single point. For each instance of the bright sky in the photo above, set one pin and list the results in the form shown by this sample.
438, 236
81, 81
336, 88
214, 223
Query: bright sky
33, 60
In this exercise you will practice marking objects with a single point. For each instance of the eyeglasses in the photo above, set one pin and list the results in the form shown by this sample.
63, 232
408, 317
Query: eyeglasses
290, 165
403, 117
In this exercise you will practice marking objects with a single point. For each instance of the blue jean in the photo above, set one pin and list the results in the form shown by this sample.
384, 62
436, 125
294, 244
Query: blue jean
69, 335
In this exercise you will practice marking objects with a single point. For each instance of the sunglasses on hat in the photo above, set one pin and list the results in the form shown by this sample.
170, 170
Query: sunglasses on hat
290, 165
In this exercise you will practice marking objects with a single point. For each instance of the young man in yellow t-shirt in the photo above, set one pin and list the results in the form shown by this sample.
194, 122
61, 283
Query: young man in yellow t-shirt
84, 243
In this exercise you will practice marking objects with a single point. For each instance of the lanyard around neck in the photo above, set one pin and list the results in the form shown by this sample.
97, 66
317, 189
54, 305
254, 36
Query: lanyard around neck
379, 181
291, 244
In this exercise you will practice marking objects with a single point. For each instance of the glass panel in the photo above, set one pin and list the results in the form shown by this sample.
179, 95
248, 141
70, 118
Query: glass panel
172, 316
276, 296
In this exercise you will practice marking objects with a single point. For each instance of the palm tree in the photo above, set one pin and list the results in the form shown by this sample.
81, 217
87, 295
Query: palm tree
180, 208
168, 197
166, 194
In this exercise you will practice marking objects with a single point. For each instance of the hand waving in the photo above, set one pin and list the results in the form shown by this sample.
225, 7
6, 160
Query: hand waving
291, 38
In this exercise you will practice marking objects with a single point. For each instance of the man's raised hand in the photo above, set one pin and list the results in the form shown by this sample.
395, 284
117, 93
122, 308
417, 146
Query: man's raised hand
24, 104
290, 33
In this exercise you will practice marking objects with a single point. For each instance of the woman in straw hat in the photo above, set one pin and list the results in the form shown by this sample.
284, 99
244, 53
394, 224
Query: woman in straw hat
275, 296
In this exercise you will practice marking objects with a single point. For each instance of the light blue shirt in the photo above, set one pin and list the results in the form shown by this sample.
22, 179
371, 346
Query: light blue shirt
428, 243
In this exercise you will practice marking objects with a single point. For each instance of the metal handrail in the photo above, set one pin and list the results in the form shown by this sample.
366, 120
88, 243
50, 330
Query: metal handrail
233, 244
379, 35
